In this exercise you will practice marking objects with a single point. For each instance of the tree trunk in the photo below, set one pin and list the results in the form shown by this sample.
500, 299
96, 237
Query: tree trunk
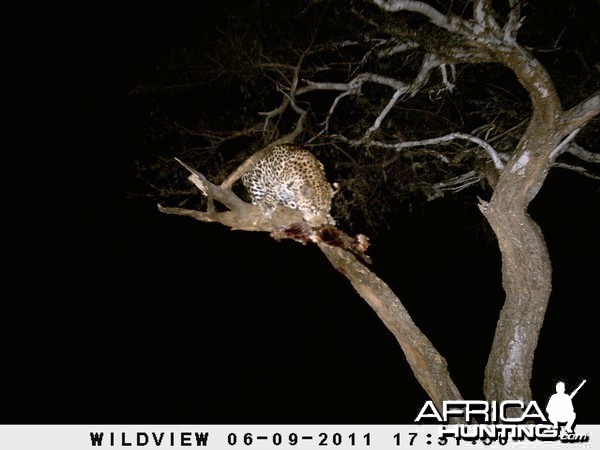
526, 267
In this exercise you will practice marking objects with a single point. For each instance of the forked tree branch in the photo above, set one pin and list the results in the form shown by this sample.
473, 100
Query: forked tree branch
288, 99
564, 145
583, 154
514, 21
526, 278
428, 365
526, 268
582, 113
448, 21
495, 157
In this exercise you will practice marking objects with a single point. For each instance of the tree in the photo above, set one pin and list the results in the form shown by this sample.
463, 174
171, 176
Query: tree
337, 94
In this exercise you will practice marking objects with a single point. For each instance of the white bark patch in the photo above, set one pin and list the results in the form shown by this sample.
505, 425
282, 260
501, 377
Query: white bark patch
519, 166
515, 351
479, 13
543, 90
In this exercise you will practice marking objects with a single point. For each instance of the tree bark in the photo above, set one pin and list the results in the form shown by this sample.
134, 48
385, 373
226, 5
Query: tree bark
428, 366
526, 267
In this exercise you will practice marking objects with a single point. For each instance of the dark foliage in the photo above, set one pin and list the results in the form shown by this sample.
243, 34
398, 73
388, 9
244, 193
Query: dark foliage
249, 61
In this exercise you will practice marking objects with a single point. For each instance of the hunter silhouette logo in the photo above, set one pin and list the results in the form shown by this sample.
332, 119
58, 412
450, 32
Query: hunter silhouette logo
560, 407
506, 420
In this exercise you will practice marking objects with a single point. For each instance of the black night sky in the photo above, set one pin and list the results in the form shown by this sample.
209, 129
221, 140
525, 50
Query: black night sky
113, 313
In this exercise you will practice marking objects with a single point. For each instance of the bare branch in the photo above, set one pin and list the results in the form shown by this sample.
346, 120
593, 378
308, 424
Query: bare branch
484, 17
433, 141
430, 62
526, 267
429, 367
384, 113
580, 170
297, 131
249, 162
217, 138
255, 157
289, 99
460, 182
276, 66
449, 85
212, 191
448, 21
514, 22
283, 223
269, 115
583, 154
480, 8
372, 50
505, 132
201, 183
241, 215
564, 145
399, 48
353, 85
325, 122
581, 114
198, 215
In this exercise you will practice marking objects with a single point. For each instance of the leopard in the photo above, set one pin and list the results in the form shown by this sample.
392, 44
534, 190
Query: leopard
291, 176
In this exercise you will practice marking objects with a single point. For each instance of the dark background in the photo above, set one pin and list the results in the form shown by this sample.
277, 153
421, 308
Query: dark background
114, 313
